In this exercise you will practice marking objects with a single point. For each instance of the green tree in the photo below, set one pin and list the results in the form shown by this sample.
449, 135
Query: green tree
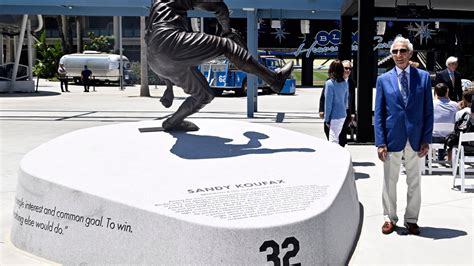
48, 57
99, 43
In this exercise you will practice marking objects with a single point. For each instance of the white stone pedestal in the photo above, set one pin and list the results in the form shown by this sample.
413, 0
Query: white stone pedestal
230, 193
18, 86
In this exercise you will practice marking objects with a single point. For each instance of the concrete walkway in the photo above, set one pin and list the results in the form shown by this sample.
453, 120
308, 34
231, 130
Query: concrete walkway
28, 120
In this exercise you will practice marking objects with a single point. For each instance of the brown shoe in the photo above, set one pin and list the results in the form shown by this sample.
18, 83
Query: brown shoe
388, 228
413, 228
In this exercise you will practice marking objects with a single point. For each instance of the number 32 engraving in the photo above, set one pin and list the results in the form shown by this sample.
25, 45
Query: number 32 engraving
274, 256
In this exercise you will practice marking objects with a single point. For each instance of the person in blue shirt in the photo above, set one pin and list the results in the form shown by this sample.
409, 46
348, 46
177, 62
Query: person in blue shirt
336, 101
351, 108
444, 111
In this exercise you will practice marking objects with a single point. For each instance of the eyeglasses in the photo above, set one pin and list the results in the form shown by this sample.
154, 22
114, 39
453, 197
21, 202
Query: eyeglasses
402, 51
348, 68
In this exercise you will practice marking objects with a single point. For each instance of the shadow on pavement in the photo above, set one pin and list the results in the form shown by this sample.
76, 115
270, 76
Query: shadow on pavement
29, 94
458, 188
363, 164
157, 97
361, 176
433, 232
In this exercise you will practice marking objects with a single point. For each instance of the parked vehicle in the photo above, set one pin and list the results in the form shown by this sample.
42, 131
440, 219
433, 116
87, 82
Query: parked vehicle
222, 75
104, 67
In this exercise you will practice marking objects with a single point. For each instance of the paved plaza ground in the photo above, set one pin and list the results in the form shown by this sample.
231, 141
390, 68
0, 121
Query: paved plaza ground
28, 120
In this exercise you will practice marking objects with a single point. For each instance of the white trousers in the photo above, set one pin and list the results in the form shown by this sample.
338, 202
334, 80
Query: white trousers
391, 173
335, 129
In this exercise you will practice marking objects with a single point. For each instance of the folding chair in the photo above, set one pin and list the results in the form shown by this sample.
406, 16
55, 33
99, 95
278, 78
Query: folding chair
435, 147
461, 159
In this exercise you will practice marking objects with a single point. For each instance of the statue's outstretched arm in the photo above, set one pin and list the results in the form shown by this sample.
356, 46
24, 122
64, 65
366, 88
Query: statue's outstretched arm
221, 11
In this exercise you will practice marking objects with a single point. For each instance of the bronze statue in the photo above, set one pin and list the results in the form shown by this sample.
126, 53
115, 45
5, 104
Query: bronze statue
175, 51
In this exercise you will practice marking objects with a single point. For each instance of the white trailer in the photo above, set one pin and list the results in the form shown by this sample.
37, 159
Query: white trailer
104, 67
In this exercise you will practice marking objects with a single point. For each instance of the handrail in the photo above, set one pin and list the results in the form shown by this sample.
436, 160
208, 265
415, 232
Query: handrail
9, 72
422, 58
385, 59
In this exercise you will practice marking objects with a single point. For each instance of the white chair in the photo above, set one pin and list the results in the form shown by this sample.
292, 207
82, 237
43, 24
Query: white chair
435, 147
461, 159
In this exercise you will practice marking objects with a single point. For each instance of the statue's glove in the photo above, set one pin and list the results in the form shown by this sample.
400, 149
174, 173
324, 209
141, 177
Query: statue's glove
237, 37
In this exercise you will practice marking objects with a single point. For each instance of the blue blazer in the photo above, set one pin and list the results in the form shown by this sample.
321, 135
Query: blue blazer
394, 123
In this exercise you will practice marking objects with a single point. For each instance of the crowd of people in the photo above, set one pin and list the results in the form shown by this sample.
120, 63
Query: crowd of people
404, 119
448, 90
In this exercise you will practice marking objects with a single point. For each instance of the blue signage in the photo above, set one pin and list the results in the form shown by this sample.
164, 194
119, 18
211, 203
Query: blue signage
328, 42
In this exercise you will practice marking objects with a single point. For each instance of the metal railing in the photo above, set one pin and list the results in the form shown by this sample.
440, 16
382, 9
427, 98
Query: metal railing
6, 72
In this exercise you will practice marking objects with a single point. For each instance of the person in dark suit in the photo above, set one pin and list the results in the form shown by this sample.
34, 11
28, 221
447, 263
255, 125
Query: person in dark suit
451, 78
403, 124
351, 108
86, 78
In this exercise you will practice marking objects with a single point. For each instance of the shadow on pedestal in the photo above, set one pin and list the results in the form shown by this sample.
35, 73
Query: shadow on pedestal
189, 146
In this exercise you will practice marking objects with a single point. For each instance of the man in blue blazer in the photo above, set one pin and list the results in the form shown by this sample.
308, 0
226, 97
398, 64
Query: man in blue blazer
403, 126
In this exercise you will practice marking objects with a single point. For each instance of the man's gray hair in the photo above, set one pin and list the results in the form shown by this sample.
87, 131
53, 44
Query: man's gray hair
347, 62
451, 60
405, 41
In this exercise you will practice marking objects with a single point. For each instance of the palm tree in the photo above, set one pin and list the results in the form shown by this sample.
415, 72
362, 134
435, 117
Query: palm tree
62, 35
79, 29
65, 33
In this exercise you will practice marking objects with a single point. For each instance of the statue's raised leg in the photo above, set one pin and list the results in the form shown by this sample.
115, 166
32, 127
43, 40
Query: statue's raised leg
276, 79
244, 61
